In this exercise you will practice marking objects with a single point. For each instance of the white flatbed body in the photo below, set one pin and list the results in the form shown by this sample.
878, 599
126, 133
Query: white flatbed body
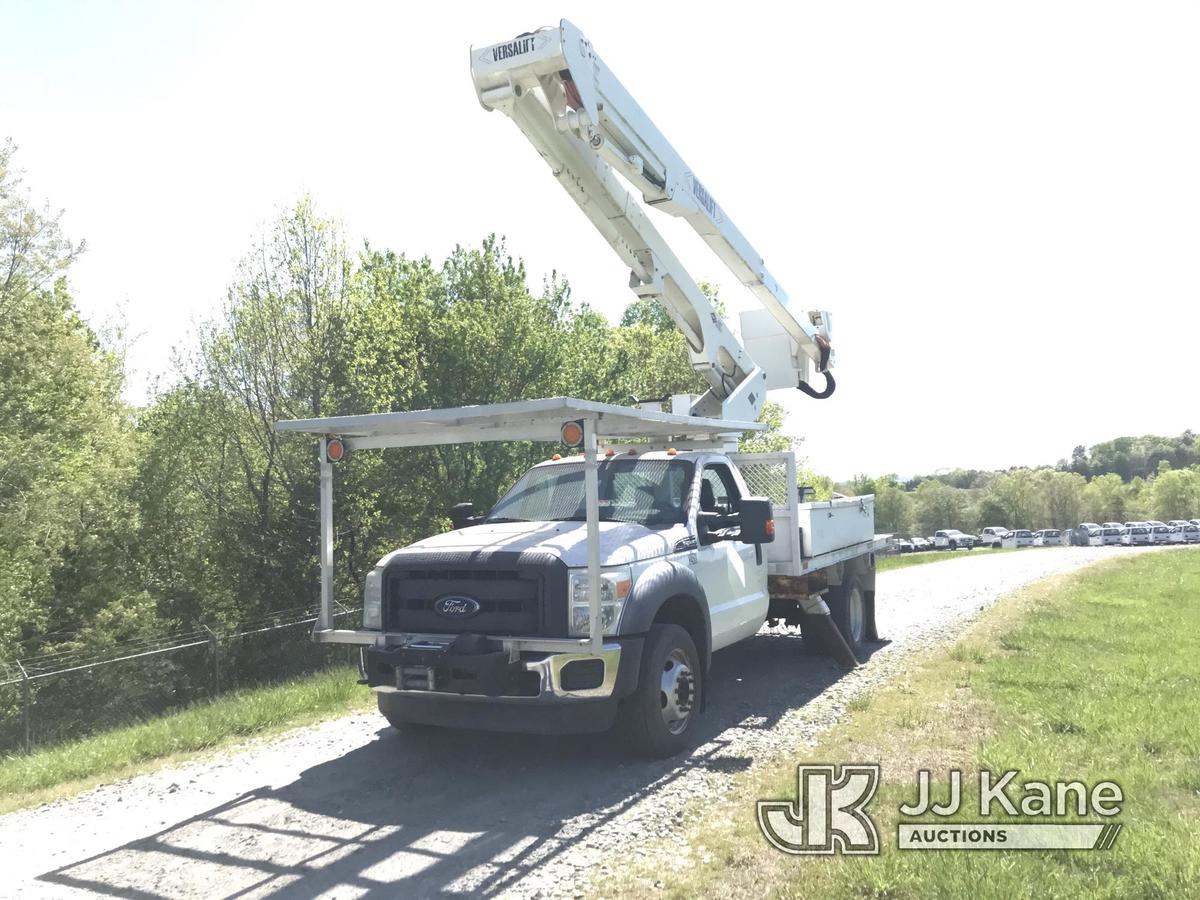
843, 554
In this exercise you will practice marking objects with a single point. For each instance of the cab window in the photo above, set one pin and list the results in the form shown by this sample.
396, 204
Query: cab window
718, 490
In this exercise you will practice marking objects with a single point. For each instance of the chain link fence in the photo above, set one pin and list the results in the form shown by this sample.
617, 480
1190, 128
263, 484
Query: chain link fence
67, 694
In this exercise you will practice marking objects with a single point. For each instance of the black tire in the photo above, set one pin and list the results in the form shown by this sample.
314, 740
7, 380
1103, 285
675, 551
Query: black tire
391, 707
954, 545
852, 612
669, 653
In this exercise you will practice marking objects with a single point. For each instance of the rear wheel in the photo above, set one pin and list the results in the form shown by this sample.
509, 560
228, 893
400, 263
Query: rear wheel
657, 718
852, 612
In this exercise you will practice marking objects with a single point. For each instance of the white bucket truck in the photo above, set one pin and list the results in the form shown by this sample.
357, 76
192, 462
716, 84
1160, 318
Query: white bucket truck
597, 589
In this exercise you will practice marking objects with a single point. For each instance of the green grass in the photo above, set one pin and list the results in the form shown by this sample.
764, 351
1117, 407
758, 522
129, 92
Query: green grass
906, 560
67, 768
1093, 676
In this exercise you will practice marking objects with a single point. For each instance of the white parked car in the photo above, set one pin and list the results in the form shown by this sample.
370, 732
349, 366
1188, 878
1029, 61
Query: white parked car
1137, 534
921, 544
1110, 536
1177, 536
1160, 533
1095, 536
1191, 534
992, 536
952, 539
1112, 525
1047, 537
1020, 538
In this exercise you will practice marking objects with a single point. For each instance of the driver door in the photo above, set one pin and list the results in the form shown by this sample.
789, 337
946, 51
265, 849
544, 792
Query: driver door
734, 580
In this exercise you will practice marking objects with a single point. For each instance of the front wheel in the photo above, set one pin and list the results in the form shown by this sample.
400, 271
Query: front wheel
657, 718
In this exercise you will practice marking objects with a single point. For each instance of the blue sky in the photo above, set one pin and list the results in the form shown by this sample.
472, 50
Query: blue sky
999, 203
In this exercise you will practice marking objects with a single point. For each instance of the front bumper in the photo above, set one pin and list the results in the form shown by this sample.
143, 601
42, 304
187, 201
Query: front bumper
472, 682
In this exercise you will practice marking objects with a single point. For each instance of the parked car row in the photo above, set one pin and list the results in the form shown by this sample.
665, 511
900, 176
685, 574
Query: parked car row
1086, 534
947, 539
1177, 531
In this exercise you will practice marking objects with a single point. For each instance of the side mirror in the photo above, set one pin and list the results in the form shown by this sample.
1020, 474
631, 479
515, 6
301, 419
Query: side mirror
757, 520
462, 514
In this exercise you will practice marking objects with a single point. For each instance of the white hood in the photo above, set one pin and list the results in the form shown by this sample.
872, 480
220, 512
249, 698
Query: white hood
620, 542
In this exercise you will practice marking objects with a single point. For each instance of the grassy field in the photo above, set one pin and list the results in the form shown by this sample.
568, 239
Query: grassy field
906, 560
56, 771
1094, 676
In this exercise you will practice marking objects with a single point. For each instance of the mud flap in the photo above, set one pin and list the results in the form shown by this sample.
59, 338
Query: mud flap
820, 624
870, 629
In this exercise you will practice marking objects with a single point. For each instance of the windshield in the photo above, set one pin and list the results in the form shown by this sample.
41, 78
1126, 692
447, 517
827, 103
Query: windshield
650, 492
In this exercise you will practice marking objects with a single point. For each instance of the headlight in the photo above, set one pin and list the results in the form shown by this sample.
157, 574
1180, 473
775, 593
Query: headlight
614, 588
373, 599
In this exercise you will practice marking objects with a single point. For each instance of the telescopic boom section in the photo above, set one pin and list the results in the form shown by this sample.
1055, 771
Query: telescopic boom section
588, 128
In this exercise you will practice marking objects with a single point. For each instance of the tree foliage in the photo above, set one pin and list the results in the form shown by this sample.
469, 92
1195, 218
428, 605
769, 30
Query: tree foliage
66, 554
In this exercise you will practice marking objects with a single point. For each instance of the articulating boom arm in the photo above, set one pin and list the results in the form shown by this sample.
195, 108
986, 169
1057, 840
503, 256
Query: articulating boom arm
587, 128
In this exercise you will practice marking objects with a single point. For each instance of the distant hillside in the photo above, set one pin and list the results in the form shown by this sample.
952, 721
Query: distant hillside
1125, 478
1128, 457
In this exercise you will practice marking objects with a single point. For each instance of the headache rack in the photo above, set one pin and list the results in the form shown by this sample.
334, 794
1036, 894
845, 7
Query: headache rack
525, 420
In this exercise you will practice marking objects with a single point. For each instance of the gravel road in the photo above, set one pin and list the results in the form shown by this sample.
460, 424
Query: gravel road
351, 808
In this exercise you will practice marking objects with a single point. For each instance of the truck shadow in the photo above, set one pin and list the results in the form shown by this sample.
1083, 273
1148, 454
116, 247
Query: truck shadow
439, 812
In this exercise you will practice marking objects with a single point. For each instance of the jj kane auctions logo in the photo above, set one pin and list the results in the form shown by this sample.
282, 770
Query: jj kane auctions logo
830, 814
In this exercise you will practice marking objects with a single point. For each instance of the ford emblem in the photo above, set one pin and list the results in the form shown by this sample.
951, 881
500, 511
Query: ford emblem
454, 606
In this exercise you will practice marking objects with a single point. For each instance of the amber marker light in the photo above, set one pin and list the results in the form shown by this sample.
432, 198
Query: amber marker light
572, 433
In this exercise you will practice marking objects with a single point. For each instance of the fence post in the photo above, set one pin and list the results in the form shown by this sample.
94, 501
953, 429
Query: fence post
215, 650
26, 707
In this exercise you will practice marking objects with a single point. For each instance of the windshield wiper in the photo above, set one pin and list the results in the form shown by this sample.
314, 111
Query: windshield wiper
503, 519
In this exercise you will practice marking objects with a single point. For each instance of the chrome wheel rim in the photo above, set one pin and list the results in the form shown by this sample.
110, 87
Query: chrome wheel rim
856, 615
677, 694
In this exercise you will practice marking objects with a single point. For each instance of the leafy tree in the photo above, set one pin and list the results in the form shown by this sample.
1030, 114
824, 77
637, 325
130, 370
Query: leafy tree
1018, 496
937, 506
773, 440
893, 507
1063, 497
1106, 499
1174, 494
65, 551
